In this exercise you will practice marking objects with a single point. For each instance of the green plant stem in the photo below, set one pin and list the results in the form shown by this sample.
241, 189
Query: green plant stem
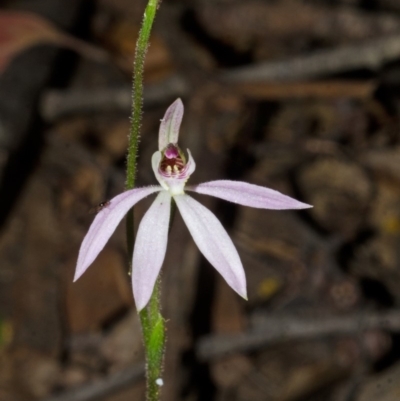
137, 91
152, 322
154, 339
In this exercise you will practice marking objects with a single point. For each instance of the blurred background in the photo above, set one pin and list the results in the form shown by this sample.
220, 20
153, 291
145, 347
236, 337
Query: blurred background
302, 96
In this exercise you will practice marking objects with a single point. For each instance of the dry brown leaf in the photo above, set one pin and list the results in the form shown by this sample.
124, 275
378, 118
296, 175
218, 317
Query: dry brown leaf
22, 30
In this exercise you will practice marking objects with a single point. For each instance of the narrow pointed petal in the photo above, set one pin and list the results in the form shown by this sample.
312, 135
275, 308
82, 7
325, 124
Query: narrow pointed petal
105, 224
248, 195
150, 248
190, 165
170, 124
213, 242
155, 164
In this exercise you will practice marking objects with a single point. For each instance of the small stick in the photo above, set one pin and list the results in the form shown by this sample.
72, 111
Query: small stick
57, 104
371, 54
323, 89
268, 330
101, 389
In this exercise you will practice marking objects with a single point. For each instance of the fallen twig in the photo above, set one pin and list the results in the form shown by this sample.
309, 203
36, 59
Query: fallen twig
372, 55
57, 104
100, 389
326, 89
267, 330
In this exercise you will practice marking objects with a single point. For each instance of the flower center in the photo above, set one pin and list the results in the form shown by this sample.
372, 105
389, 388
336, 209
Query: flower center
173, 161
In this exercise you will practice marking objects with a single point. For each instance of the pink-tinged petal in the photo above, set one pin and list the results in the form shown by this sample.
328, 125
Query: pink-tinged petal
248, 195
170, 124
190, 165
150, 248
213, 242
105, 224
155, 164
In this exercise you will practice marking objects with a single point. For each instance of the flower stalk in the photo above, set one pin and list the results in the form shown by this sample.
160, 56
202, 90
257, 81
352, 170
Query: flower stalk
142, 45
152, 322
154, 340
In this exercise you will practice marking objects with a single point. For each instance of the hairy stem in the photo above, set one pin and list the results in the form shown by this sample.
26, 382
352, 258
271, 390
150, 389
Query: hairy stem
137, 91
154, 339
152, 322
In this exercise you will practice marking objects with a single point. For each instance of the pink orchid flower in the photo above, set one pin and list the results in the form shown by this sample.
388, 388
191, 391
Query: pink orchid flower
172, 172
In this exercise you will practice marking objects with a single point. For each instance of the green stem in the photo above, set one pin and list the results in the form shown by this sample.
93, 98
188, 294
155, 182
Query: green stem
137, 91
154, 339
152, 322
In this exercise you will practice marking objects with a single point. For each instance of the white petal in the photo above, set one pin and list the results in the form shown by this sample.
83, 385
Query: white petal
150, 248
247, 194
155, 164
105, 224
190, 165
170, 124
213, 242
